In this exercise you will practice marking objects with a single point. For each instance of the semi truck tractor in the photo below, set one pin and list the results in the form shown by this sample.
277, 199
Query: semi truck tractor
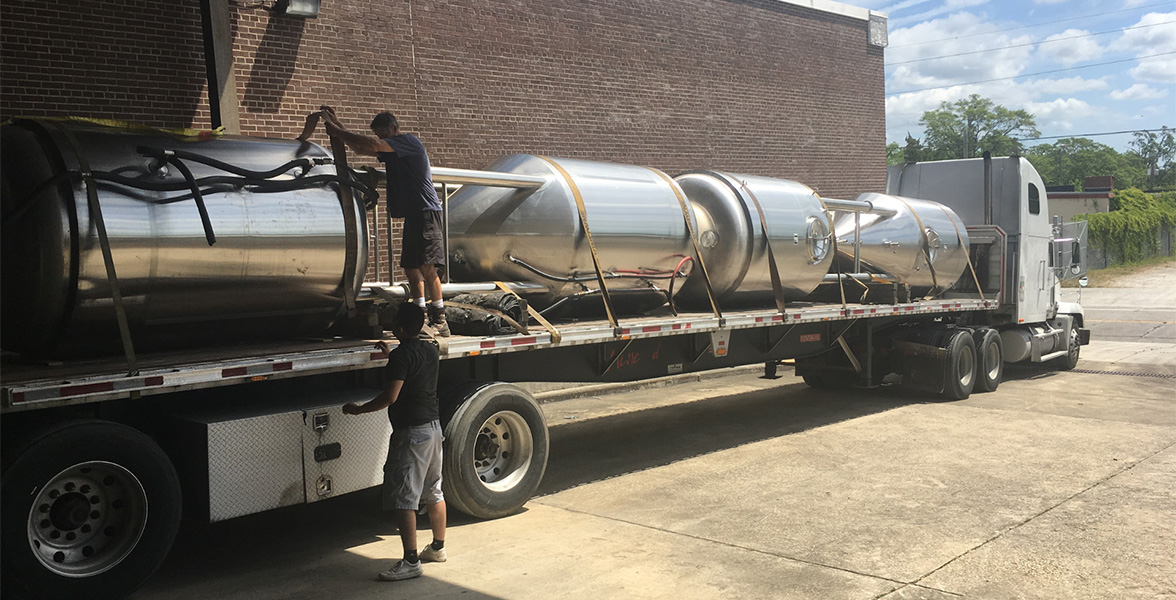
183, 317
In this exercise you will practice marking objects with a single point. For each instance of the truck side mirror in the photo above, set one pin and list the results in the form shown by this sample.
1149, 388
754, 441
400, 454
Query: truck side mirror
1083, 281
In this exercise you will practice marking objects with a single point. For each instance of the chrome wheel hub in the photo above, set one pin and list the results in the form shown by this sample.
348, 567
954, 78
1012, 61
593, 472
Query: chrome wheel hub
503, 451
87, 519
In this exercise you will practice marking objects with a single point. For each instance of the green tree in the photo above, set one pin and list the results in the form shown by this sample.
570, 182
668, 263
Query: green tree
893, 154
1158, 152
968, 127
913, 151
1071, 160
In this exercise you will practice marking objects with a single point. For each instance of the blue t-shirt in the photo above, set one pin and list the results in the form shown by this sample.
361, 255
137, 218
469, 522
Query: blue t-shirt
409, 175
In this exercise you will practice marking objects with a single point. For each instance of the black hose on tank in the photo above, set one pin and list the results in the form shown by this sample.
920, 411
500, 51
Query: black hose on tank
197, 196
161, 154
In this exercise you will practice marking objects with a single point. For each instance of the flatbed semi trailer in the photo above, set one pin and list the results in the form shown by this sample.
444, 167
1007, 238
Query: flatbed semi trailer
226, 400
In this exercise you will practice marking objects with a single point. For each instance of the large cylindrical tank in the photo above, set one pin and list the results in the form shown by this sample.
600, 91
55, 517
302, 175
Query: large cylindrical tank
735, 245
899, 240
277, 267
535, 235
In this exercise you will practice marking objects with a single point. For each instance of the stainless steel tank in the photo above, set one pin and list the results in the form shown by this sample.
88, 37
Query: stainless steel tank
535, 235
276, 269
900, 241
735, 244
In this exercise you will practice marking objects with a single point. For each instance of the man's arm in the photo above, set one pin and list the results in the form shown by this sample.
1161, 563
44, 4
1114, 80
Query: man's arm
384, 400
363, 144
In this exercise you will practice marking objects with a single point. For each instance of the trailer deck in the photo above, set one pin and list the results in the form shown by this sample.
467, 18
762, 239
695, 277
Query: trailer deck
37, 385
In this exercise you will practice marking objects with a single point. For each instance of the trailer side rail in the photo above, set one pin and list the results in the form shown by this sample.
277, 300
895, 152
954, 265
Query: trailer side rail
199, 375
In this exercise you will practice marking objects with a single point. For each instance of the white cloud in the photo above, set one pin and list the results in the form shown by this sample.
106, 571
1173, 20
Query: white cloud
1068, 85
1158, 69
1064, 103
1153, 38
953, 35
901, 5
1048, 1
950, 6
1060, 115
1069, 49
1139, 91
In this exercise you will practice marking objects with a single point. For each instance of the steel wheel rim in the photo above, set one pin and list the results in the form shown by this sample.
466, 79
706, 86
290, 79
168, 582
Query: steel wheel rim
1074, 344
967, 367
503, 451
87, 519
992, 359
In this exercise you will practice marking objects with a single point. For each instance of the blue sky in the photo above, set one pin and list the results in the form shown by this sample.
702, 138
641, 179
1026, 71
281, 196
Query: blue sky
1037, 52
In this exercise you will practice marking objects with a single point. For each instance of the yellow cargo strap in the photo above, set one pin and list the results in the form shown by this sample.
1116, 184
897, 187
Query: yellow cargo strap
519, 327
556, 336
710, 294
95, 207
836, 258
967, 256
935, 291
350, 227
612, 319
193, 135
777, 289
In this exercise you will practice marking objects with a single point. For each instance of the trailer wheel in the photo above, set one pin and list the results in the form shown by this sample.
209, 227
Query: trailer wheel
1073, 349
990, 352
496, 451
90, 510
960, 375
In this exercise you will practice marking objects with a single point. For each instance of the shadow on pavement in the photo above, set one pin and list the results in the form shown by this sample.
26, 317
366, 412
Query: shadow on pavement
611, 446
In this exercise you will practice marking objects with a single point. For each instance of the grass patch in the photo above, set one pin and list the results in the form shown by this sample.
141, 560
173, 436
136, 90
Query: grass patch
1108, 278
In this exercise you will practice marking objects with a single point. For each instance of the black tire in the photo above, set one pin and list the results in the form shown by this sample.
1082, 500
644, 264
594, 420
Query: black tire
496, 449
89, 510
989, 359
960, 371
1073, 349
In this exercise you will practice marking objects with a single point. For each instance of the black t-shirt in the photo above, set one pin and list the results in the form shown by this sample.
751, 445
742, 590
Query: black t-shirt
409, 175
416, 363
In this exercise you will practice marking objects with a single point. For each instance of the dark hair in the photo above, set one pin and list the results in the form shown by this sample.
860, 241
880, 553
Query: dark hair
410, 318
384, 119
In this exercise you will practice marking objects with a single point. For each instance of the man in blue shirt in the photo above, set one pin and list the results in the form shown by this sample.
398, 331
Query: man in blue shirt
410, 194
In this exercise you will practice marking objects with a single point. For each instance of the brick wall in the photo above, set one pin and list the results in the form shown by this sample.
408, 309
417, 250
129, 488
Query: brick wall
751, 86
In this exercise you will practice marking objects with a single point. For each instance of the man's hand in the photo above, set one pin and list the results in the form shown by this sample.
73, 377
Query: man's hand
351, 408
329, 113
382, 346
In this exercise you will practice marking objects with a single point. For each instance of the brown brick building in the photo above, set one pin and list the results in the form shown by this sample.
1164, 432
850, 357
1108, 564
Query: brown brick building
783, 88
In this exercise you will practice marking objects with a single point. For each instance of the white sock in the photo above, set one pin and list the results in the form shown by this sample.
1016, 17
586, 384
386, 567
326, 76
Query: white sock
420, 302
438, 304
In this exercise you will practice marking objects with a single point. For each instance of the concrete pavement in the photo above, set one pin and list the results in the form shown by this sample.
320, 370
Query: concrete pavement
1058, 485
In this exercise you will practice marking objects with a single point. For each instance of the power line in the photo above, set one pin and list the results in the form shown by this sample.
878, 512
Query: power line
1084, 135
1112, 62
1073, 37
1050, 22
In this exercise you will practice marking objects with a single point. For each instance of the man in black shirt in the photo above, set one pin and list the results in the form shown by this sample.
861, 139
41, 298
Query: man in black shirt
410, 194
412, 473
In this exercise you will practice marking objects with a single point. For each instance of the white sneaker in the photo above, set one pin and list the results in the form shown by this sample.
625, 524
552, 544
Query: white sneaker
428, 554
401, 570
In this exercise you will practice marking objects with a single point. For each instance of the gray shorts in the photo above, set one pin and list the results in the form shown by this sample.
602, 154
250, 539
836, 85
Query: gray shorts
412, 473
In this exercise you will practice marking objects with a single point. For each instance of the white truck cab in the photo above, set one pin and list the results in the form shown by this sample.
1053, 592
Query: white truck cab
1039, 252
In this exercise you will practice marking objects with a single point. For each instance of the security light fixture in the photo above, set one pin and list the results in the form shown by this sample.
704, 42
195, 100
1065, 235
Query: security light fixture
298, 8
